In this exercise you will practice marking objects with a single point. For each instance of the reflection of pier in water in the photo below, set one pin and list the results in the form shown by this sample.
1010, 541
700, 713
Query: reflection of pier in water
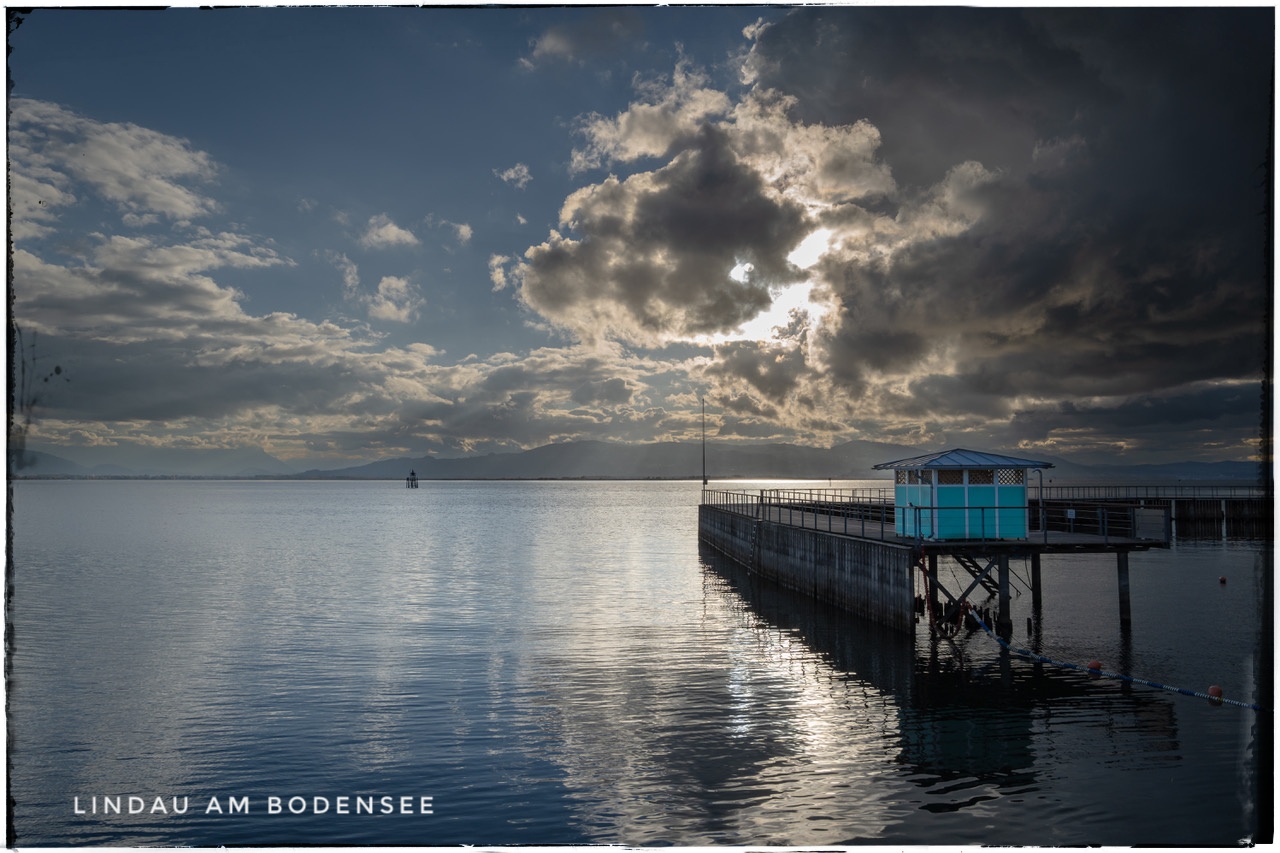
968, 713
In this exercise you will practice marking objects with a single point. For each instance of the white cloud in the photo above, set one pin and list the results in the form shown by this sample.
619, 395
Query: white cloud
166, 353
498, 272
518, 175
649, 128
396, 301
462, 232
597, 33
140, 171
382, 233
350, 273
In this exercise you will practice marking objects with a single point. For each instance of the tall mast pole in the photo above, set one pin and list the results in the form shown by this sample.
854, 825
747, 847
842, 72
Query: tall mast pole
703, 401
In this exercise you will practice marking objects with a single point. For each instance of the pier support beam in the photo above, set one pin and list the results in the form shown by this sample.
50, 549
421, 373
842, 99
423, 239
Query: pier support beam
1004, 621
1037, 603
1122, 575
1037, 600
933, 583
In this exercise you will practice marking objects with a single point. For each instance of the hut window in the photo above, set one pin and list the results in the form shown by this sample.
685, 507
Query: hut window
1011, 477
950, 478
913, 478
926, 477
900, 477
981, 477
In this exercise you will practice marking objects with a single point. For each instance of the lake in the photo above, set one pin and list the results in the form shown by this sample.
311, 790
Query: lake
550, 663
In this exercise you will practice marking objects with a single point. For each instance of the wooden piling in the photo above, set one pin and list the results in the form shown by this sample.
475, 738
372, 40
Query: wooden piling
1122, 574
1004, 621
1037, 600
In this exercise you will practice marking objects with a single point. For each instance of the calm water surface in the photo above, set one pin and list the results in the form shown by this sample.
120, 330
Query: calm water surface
560, 663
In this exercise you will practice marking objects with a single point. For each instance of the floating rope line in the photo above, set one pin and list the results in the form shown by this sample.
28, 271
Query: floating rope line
1119, 676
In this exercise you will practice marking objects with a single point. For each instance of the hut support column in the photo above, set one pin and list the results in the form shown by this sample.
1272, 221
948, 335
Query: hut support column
1004, 622
1122, 575
933, 583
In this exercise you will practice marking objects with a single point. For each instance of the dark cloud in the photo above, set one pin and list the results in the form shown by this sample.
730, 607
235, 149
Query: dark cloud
1205, 423
650, 257
603, 391
1079, 212
1040, 227
773, 371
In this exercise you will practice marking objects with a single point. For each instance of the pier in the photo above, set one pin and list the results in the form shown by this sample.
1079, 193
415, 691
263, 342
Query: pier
876, 552
845, 548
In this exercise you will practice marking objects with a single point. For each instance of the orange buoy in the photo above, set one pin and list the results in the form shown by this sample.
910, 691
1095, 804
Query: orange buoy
1095, 668
1222, 580
1215, 694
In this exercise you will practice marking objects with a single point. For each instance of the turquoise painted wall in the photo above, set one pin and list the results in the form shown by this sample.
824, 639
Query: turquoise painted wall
962, 512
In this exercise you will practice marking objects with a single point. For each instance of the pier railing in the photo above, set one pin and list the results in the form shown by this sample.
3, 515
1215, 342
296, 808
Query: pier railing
870, 513
1171, 491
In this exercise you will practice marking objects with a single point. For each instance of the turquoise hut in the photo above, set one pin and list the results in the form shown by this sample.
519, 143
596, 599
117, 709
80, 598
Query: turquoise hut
961, 494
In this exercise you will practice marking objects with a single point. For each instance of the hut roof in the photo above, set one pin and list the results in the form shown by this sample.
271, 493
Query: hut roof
959, 458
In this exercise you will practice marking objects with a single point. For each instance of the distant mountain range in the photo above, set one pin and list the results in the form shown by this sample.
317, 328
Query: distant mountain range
605, 460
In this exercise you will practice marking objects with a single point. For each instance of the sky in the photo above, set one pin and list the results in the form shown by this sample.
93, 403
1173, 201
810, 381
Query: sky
346, 234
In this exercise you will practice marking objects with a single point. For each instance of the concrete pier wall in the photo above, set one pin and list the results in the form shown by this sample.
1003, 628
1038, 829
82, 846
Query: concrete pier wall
872, 579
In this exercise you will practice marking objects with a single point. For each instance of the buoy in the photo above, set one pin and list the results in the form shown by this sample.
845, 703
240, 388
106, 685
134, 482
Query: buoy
1222, 580
1215, 694
1095, 668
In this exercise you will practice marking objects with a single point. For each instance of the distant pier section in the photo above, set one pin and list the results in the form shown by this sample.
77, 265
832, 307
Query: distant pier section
876, 552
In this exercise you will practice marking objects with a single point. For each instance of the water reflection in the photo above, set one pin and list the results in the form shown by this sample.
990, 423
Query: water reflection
675, 744
552, 685
970, 723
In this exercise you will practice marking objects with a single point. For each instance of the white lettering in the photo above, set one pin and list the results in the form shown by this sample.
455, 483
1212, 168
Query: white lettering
158, 806
300, 808
426, 805
109, 806
315, 805
340, 806
406, 805
182, 810
76, 805
136, 805
214, 806
364, 805
273, 805
388, 805
238, 807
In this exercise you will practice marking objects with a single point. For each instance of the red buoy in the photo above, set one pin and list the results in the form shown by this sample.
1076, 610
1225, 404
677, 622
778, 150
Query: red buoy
1215, 694
1094, 668
1222, 580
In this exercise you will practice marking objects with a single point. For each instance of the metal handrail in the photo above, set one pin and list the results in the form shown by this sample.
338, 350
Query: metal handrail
856, 511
